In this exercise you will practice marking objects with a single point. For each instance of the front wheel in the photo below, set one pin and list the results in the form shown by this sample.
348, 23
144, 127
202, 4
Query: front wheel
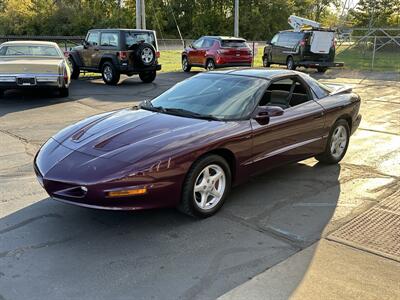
206, 186
75, 69
185, 64
337, 143
290, 63
110, 74
148, 77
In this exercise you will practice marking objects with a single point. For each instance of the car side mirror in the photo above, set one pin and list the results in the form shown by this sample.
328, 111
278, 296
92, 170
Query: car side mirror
263, 113
268, 42
85, 44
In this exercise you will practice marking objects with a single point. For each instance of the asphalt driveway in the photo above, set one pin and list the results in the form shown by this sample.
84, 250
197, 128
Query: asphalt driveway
50, 250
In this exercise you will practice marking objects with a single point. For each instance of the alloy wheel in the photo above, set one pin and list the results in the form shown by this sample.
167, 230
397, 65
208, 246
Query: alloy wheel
338, 141
108, 73
209, 187
147, 55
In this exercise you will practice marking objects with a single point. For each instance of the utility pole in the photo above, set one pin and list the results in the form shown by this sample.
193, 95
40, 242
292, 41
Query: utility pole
236, 22
138, 14
143, 10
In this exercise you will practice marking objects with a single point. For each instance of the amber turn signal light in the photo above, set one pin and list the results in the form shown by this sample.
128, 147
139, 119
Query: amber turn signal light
125, 193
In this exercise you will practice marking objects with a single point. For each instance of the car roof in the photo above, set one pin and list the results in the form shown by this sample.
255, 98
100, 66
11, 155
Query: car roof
224, 38
259, 73
121, 29
45, 43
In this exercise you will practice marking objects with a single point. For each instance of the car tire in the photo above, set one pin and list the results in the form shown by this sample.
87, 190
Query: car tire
75, 69
210, 64
266, 63
145, 54
205, 203
63, 92
109, 73
337, 144
290, 63
148, 76
186, 67
322, 69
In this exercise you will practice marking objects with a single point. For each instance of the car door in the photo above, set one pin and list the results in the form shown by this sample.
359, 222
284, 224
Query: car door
293, 136
274, 48
194, 54
109, 42
90, 46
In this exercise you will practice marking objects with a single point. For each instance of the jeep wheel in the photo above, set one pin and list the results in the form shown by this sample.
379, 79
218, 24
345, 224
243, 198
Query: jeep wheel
185, 64
290, 63
75, 69
148, 77
145, 54
110, 74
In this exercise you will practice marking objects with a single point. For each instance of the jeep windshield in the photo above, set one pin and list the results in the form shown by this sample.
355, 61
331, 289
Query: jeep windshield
134, 37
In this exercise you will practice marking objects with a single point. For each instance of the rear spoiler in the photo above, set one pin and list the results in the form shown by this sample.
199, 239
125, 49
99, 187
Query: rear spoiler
340, 89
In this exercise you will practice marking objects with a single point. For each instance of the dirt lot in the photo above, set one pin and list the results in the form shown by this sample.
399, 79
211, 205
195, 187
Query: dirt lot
50, 250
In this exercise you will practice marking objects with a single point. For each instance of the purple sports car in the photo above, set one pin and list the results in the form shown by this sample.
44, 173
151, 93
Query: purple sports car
188, 146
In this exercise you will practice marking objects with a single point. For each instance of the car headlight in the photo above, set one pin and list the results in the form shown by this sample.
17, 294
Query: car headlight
7, 79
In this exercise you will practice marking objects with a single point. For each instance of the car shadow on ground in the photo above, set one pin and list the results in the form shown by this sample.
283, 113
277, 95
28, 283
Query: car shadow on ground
54, 250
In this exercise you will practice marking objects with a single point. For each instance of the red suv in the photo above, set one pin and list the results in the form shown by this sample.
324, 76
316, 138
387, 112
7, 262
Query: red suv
212, 52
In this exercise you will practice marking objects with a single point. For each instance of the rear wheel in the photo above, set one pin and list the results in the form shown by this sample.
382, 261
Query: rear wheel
290, 63
337, 144
185, 64
210, 65
110, 74
75, 69
206, 186
148, 76
322, 69
266, 63
63, 92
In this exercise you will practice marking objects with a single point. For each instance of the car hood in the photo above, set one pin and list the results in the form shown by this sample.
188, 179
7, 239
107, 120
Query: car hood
132, 135
32, 65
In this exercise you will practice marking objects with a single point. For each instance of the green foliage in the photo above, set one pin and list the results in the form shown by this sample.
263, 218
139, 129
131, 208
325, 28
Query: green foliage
376, 13
259, 19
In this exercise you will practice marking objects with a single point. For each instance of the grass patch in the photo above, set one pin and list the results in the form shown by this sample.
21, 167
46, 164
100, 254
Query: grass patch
353, 60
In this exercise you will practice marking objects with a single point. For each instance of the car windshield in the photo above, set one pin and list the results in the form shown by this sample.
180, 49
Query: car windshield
225, 97
233, 44
29, 50
132, 38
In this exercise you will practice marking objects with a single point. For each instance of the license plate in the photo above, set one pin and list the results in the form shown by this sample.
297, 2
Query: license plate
26, 81
237, 54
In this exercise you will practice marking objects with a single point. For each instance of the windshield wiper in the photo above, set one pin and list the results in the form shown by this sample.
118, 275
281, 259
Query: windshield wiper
146, 104
188, 113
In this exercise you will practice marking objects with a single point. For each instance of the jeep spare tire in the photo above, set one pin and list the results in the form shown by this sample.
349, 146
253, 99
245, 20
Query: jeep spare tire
145, 54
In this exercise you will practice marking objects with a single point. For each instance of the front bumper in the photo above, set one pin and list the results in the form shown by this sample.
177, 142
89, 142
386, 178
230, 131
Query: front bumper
23, 81
317, 64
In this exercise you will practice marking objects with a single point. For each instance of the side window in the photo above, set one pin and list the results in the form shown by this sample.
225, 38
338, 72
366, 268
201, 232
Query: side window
198, 43
283, 39
3, 51
109, 39
285, 93
93, 38
275, 39
208, 43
